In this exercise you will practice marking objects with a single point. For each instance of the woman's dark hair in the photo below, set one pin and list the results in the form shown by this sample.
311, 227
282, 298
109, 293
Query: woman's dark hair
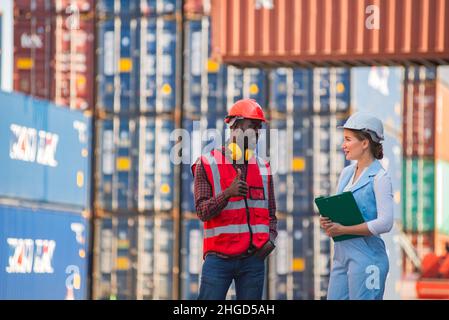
376, 148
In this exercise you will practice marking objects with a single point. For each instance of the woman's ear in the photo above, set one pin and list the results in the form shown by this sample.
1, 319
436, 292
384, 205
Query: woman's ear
365, 144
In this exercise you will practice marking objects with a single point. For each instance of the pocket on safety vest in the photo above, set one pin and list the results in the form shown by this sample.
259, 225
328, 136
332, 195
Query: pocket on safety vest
256, 193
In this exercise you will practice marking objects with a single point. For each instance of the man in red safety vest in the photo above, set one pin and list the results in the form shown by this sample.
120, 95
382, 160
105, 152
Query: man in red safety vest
234, 198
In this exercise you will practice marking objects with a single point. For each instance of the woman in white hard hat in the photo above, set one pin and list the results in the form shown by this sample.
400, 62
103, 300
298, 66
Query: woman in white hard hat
360, 265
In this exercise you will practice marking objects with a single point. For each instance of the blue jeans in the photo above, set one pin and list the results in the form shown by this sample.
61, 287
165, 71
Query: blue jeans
218, 273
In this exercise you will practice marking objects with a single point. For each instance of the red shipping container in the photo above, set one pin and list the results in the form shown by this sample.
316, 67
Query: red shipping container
197, 7
33, 52
442, 125
419, 118
74, 6
40, 7
73, 82
423, 243
47, 7
305, 32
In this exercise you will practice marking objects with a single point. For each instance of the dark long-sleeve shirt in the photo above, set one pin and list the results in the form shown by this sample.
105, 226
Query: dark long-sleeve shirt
208, 206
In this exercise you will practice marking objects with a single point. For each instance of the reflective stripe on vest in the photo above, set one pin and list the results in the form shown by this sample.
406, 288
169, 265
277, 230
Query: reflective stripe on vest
235, 228
232, 205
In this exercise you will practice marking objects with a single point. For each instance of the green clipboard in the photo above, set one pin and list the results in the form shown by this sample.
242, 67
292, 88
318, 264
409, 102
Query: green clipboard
341, 208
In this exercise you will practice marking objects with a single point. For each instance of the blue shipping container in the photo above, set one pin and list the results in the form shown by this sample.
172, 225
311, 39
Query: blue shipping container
378, 91
138, 7
279, 263
194, 65
328, 157
291, 90
118, 63
302, 166
192, 258
45, 254
163, 257
129, 173
331, 90
254, 85
46, 151
137, 61
126, 258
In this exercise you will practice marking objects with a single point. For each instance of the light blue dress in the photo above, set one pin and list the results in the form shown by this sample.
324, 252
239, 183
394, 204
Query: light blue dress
360, 265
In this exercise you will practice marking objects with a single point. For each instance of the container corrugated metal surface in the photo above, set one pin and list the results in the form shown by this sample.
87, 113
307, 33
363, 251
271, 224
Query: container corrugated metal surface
205, 87
419, 112
299, 268
280, 282
115, 265
137, 64
46, 151
418, 178
293, 165
423, 243
331, 90
39, 7
302, 262
129, 178
137, 7
329, 31
33, 52
192, 258
197, 7
118, 65
73, 79
53, 58
442, 116
202, 134
134, 258
44, 254
164, 253
441, 242
291, 90
145, 258
328, 158
378, 90
441, 198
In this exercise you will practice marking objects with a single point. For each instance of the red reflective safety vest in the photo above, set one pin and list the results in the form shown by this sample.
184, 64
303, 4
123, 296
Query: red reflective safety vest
235, 228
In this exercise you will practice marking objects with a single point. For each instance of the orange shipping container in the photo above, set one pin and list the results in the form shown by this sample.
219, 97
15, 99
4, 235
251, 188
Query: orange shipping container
441, 244
442, 118
308, 32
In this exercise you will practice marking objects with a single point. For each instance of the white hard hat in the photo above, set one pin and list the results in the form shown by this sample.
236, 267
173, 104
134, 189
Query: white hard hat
366, 123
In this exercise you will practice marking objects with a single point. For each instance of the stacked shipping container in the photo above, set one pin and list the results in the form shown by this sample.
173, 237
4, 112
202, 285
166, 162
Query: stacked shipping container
306, 106
44, 200
54, 51
209, 89
137, 109
425, 163
442, 161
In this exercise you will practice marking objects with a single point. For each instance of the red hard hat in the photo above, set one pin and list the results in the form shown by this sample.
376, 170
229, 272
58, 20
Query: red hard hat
246, 108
